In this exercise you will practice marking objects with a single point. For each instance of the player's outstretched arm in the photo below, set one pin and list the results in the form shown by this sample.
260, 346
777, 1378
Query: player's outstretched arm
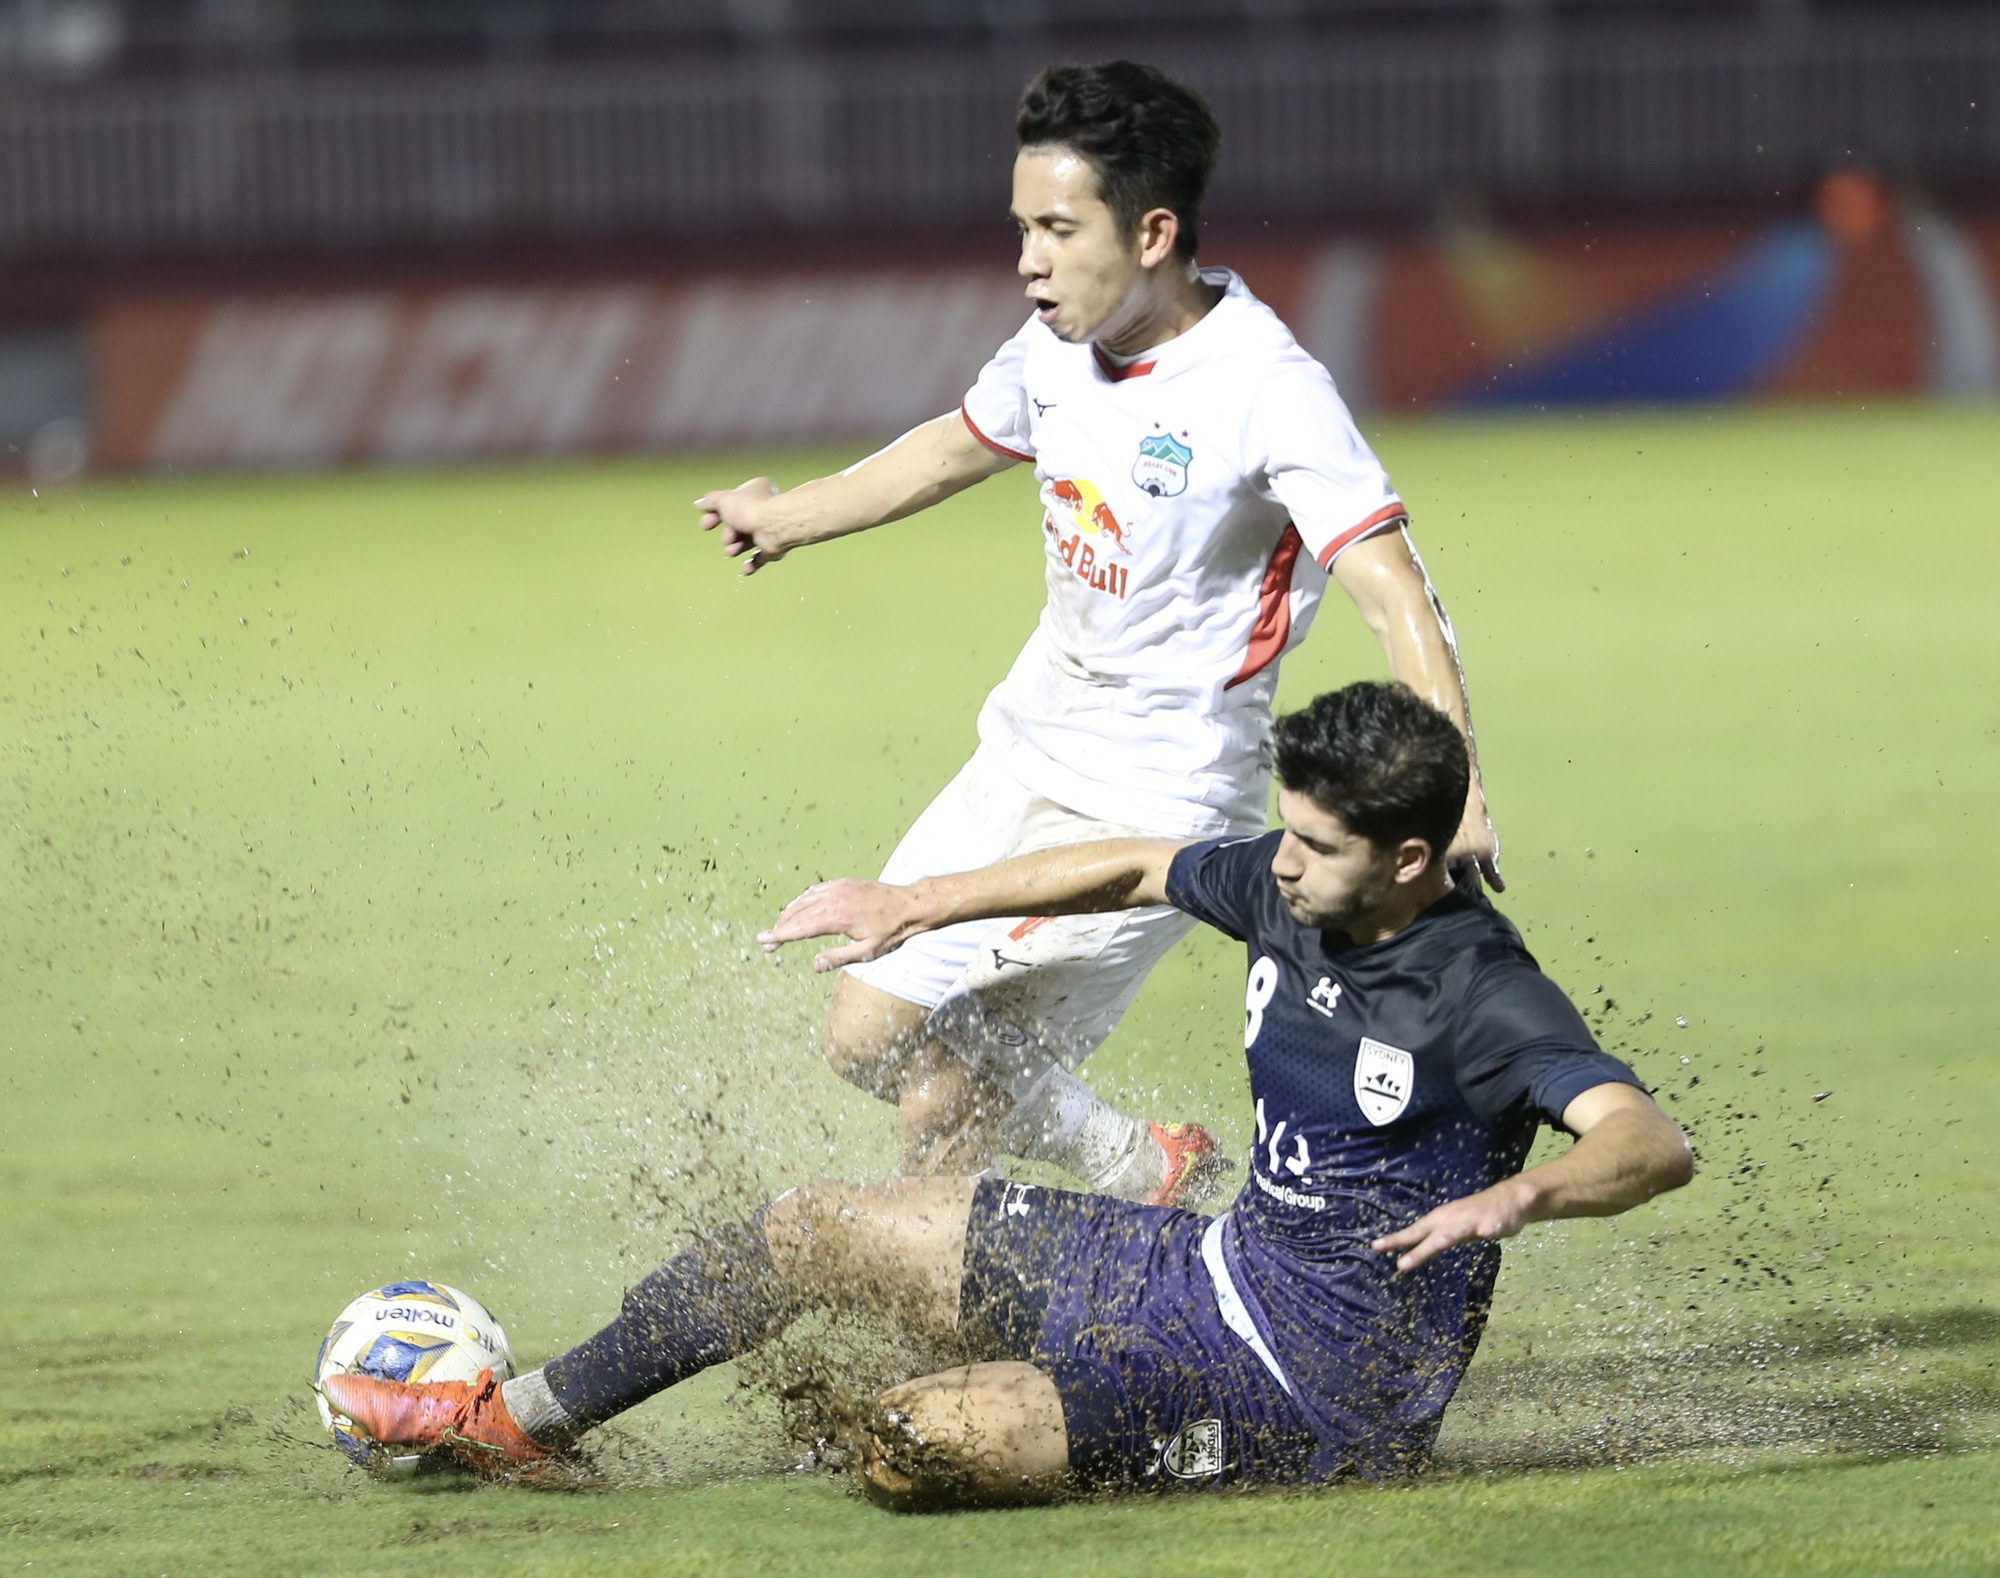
760, 525
1627, 1150
1387, 582
1073, 879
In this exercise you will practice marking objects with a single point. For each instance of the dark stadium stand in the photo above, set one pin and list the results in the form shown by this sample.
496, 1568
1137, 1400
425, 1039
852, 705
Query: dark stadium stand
231, 127
67, 39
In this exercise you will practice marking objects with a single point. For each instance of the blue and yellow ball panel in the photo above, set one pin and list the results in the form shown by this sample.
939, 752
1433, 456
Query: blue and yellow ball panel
401, 1356
332, 1337
417, 1293
359, 1449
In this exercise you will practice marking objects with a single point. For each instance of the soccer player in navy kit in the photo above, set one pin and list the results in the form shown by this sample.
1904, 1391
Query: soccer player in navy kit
1402, 1046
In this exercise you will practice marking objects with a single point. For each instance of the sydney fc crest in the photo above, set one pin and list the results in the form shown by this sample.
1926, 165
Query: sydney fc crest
1196, 1453
1383, 1078
1162, 466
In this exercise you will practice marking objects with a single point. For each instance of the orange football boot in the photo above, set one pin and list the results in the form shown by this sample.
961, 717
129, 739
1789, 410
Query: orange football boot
1194, 1161
465, 1418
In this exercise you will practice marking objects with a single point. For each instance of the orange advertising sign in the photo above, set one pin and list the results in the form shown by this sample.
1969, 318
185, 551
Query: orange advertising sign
1466, 314
400, 376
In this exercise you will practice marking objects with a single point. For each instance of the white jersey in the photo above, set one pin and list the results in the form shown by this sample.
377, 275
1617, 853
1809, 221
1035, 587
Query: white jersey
1178, 492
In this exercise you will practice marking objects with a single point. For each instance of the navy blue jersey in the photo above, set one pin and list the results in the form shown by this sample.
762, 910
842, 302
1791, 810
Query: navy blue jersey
1386, 1080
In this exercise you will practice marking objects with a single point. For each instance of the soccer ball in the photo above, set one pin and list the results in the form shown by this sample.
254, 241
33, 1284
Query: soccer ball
407, 1331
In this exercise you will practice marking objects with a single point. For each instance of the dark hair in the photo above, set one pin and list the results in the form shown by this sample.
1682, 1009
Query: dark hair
1382, 759
1151, 141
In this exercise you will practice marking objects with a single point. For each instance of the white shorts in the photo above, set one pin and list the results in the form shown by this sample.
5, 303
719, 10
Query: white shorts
1015, 997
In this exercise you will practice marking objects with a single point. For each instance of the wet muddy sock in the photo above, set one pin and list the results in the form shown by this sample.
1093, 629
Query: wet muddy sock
534, 1409
719, 1298
1063, 1121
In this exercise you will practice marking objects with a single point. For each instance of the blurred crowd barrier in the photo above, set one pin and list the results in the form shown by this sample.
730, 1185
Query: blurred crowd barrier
1861, 298
1316, 127
143, 141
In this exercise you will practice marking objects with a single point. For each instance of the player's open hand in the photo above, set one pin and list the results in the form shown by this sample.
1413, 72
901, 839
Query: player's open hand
878, 917
1499, 1212
743, 515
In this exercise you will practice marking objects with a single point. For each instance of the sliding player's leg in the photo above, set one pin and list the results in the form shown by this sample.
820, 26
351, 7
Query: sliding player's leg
1116, 1364
1123, 1370
892, 1249
986, 1435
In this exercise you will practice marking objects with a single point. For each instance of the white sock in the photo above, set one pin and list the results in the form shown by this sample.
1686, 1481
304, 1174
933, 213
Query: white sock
532, 1406
1063, 1121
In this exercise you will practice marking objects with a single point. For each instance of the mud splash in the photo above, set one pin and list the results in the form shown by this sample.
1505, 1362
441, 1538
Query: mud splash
679, 1085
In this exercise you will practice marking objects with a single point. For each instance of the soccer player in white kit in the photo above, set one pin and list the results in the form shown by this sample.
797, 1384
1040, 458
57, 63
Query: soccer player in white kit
1201, 481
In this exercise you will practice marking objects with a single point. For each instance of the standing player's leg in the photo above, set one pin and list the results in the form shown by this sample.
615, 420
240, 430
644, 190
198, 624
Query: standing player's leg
948, 1115
880, 1036
957, 1118
1037, 999
872, 1036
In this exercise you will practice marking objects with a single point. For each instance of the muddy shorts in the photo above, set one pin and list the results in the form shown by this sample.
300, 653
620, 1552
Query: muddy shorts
1116, 1302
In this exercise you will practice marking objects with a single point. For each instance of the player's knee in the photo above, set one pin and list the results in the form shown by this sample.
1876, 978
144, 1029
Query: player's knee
816, 1233
868, 1043
916, 1457
942, 1094
954, 1440
795, 1225
864, 1064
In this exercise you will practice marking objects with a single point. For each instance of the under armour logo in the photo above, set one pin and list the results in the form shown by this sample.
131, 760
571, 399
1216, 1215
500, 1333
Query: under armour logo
1325, 997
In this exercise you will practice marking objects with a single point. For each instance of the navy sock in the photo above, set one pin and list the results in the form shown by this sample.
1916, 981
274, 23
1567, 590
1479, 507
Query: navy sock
715, 1300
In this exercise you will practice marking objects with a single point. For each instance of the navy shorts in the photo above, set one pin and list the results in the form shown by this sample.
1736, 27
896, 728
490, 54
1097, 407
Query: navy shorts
1114, 1301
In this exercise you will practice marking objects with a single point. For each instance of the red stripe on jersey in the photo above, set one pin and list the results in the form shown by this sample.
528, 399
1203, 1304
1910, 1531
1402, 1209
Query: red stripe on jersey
998, 449
1119, 372
1274, 608
1387, 513
1032, 923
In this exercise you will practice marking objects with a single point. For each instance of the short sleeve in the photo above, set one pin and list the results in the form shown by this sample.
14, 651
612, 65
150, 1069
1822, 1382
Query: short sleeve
1524, 1051
1220, 882
1317, 464
995, 408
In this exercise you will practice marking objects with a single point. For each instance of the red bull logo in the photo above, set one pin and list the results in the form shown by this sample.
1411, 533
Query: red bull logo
1085, 506
1079, 502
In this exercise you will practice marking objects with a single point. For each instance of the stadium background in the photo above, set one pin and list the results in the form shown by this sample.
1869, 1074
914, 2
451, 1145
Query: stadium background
238, 232
390, 782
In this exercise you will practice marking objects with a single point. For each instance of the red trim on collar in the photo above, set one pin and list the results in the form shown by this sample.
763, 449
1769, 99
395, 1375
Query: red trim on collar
1116, 373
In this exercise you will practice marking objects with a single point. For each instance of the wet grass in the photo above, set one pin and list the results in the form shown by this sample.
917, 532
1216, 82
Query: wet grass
381, 855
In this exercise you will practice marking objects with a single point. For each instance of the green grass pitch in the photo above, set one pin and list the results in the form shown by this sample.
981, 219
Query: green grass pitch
381, 854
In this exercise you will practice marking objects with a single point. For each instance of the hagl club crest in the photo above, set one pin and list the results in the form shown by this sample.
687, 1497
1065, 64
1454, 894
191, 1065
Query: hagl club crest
1162, 466
1383, 1078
